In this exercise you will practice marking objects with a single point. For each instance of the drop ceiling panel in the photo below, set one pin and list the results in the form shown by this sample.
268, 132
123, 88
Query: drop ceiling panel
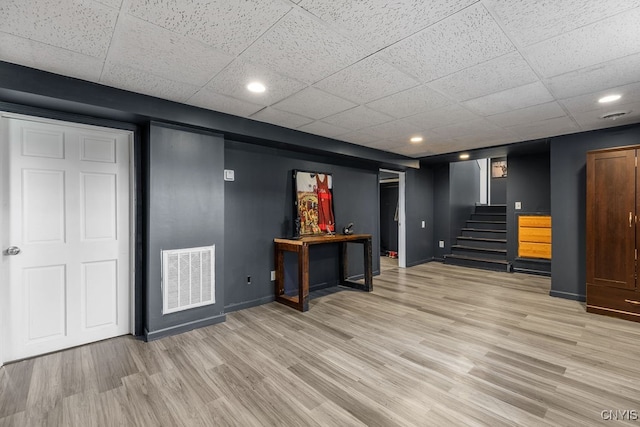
409, 102
442, 117
589, 120
358, 118
367, 80
359, 137
281, 118
579, 104
531, 21
473, 127
30, 53
522, 116
111, 3
234, 78
545, 128
161, 52
80, 26
465, 39
598, 77
206, 98
323, 129
302, 47
314, 103
230, 26
127, 78
379, 23
510, 99
505, 72
605, 40
392, 130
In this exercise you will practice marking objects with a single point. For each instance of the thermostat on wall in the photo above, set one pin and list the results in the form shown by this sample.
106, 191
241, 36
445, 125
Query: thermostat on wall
229, 175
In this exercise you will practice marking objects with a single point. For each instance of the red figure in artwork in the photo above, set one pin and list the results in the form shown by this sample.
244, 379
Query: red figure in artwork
326, 221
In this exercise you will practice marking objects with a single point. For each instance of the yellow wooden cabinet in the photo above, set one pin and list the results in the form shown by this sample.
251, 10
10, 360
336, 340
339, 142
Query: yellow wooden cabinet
534, 236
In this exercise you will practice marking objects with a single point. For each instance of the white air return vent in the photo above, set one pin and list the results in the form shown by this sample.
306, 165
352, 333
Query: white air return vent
188, 278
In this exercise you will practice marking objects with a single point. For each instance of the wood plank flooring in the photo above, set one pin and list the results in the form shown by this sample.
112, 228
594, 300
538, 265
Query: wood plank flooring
433, 345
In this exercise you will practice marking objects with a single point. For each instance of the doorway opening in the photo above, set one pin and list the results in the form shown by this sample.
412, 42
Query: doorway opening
392, 219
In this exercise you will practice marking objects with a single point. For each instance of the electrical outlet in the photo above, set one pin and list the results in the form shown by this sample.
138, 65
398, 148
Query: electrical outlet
424, 224
248, 280
518, 205
441, 243
273, 275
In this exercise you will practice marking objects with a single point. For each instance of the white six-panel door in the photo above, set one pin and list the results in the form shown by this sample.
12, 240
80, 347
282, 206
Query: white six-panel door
68, 217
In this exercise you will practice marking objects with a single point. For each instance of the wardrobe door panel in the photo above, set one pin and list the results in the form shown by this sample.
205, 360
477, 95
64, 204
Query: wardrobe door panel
611, 210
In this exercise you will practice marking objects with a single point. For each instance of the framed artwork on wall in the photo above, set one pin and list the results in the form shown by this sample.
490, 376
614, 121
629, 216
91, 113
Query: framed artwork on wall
499, 169
313, 203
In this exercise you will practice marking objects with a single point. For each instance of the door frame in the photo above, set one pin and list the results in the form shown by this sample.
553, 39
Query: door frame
4, 218
402, 234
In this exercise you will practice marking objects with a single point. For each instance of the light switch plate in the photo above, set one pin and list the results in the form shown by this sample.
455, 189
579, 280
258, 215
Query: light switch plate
229, 175
423, 224
441, 243
273, 275
518, 205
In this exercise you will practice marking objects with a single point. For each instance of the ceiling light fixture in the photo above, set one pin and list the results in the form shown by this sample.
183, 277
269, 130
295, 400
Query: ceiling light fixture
614, 115
609, 98
416, 139
464, 156
256, 87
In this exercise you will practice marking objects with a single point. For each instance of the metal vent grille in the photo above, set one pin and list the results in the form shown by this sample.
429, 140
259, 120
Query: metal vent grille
188, 278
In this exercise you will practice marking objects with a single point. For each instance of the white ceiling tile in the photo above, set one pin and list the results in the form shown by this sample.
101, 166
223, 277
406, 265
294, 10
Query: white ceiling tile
230, 26
467, 38
38, 55
366, 80
510, 99
314, 103
281, 118
535, 113
409, 102
111, 3
398, 129
496, 75
234, 78
127, 78
358, 118
323, 129
302, 47
210, 100
593, 44
80, 26
590, 120
589, 102
161, 52
379, 23
442, 116
545, 128
531, 21
473, 127
359, 137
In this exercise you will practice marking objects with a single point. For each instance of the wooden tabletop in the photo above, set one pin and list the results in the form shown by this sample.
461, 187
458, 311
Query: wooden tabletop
324, 238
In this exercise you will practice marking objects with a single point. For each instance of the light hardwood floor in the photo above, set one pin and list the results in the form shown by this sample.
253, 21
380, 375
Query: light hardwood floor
433, 345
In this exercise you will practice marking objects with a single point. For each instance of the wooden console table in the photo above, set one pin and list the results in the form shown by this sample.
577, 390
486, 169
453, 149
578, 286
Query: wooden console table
301, 247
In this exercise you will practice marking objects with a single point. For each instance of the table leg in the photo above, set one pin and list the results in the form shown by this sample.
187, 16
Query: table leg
303, 278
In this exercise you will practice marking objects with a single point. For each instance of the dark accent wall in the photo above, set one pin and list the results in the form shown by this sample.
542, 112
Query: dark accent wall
441, 211
568, 204
259, 207
419, 206
388, 224
464, 194
498, 190
185, 208
529, 183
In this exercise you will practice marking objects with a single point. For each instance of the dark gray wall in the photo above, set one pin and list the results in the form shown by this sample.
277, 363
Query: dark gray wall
464, 193
568, 203
185, 208
259, 207
441, 210
388, 225
419, 207
498, 190
528, 183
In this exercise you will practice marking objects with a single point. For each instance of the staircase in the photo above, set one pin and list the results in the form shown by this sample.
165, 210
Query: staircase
483, 241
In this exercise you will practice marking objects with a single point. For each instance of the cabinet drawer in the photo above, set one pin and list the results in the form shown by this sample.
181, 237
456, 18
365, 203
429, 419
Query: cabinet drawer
543, 221
534, 250
614, 298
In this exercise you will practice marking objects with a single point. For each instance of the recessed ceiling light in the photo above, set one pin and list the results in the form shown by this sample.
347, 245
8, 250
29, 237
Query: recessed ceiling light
256, 87
416, 139
464, 156
609, 98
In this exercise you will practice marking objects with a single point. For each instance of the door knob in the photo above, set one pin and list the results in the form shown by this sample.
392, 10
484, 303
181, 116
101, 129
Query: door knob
12, 250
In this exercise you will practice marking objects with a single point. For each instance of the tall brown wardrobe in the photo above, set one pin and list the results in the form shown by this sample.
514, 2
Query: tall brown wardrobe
613, 232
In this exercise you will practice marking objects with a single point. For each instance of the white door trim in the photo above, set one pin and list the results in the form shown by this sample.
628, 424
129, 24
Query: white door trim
402, 233
4, 216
